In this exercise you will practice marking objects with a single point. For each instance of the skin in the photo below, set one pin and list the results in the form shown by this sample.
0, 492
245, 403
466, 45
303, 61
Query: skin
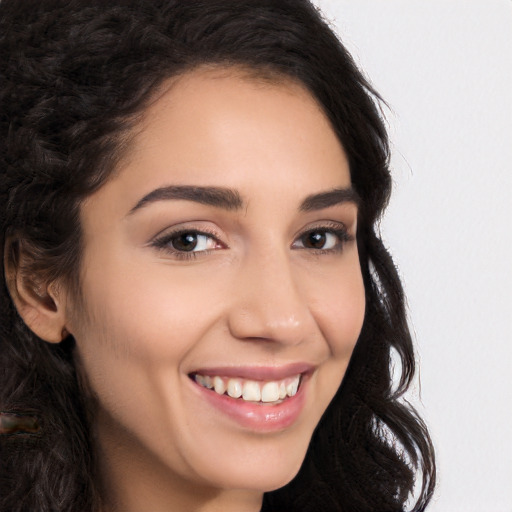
257, 297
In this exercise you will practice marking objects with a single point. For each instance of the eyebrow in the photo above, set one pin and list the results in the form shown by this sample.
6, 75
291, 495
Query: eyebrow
229, 199
224, 198
330, 198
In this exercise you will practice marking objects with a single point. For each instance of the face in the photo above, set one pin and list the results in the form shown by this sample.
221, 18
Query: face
222, 253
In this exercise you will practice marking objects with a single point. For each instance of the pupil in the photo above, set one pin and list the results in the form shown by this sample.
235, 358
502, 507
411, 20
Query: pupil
316, 240
185, 242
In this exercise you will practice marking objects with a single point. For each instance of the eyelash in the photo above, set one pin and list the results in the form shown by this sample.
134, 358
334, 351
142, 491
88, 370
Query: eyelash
164, 242
338, 230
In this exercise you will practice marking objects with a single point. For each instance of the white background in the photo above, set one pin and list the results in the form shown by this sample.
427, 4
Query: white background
445, 68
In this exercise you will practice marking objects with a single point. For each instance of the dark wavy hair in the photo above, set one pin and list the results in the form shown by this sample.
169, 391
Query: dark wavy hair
74, 77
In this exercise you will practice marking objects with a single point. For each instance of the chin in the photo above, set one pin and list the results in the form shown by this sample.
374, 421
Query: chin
262, 476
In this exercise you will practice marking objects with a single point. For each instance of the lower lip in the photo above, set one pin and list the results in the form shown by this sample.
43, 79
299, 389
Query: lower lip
258, 416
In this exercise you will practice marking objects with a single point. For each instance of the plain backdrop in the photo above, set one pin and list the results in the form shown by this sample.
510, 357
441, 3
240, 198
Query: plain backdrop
445, 68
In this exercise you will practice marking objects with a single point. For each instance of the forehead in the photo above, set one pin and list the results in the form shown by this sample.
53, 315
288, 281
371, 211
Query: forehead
239, 114
219, 127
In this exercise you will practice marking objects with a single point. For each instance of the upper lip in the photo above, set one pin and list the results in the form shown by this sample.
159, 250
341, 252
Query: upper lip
258, 372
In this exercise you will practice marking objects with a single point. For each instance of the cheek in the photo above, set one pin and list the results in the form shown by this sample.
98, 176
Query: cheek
338, 306
339, 309
142, 314
136, 332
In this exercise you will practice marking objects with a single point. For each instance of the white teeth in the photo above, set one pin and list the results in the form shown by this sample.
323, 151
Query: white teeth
219, 385
204, 380
282, 390
291, 387
234, 388
270, 392
251, 391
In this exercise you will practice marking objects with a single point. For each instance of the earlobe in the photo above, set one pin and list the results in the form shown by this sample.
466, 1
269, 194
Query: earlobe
40, 305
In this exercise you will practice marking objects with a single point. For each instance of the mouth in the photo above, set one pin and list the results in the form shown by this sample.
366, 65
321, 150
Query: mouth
272, 392
256, 398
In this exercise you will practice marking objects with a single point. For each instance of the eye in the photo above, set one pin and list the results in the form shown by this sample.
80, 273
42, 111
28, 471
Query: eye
187, 243
324, 239
192, 242
319, 240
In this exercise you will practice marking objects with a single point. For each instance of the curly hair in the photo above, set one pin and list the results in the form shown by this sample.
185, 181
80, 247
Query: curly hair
74, 76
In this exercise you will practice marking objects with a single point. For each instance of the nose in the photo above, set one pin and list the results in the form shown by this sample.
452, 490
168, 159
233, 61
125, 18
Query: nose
268, 302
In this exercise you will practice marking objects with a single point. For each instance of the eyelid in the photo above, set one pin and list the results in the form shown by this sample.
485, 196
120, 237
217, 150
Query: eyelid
162, 241
325, 225
337, 228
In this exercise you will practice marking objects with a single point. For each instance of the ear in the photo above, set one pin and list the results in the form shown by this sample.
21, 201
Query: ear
42, 306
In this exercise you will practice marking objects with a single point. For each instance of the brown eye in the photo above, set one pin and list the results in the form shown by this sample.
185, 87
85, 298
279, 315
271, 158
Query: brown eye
190, 241
314, 240
323, 239
185, 241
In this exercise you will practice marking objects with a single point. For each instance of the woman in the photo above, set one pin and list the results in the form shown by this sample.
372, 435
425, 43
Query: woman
191, 267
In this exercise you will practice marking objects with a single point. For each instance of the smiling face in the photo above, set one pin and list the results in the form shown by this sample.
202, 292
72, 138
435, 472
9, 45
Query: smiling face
221, 254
